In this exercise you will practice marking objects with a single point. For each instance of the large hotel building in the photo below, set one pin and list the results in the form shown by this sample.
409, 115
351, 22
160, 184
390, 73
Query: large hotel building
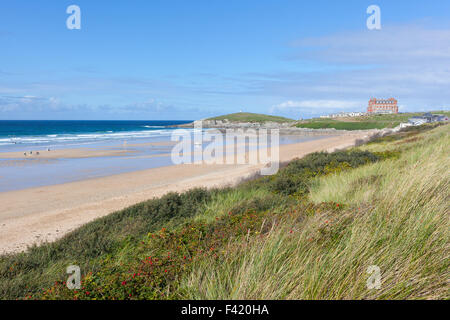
382, 106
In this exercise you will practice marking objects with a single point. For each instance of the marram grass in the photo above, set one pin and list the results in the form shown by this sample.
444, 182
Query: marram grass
309, 232
397, 219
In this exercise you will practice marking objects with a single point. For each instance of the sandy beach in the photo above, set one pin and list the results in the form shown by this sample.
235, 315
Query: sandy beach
79, 153
40, 214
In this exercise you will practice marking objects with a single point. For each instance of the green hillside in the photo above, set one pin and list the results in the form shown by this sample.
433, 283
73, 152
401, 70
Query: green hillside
251, 117
377, 121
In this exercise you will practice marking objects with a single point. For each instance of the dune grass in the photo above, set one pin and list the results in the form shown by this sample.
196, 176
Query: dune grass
40, 266
308, 232
396, 216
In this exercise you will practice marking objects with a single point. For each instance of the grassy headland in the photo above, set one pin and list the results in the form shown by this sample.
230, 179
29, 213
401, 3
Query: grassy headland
378, 121
308, 232
251, 117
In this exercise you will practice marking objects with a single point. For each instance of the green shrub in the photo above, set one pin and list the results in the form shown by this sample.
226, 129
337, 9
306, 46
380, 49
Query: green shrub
108, 248
258, 204
294, 179
29, 271
342, 125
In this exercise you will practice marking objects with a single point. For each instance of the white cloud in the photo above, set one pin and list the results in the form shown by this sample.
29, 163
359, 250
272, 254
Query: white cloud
410, 63
344, 70
31, 103
393, 44
317, 104
52, 107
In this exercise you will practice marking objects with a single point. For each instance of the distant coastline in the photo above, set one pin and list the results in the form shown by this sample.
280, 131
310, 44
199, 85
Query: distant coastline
323, 125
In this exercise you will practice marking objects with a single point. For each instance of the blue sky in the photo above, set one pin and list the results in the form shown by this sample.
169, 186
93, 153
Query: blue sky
194, 59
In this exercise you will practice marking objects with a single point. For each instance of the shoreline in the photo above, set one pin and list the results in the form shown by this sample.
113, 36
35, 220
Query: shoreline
81, 153
50, 212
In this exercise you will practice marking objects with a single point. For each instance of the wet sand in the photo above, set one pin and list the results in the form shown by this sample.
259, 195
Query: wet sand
47, 213
79, 153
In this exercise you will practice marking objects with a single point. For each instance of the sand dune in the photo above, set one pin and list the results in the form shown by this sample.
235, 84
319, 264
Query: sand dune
47, 213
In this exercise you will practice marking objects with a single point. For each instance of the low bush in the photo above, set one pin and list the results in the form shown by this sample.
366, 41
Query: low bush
294, 179
29, 271
244, 242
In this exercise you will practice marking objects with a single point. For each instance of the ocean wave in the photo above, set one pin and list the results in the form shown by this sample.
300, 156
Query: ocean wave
153, 126
86, 137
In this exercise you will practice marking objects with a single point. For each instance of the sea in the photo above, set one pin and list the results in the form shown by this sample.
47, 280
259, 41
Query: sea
17, 134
